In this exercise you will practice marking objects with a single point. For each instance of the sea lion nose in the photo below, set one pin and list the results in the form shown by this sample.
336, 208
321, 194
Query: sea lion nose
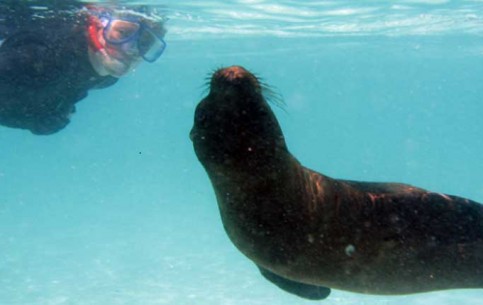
233, 72
192, 134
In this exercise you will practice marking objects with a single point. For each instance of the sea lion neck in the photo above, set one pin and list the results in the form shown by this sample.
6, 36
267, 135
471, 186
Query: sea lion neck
234, 124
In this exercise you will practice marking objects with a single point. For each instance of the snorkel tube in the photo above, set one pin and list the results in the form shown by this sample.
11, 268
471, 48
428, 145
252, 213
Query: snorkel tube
94, 24
93, 35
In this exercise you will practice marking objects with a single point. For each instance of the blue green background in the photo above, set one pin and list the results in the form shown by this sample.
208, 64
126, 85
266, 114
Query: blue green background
116, 209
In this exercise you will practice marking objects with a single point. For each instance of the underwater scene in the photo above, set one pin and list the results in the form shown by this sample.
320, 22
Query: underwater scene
242, 152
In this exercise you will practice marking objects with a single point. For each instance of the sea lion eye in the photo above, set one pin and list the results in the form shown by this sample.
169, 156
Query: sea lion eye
200, 117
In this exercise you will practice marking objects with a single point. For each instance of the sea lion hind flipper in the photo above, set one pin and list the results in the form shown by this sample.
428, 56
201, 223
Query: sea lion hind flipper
302, 290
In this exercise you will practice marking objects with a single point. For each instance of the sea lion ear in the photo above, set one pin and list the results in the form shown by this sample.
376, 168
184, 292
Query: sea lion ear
302, 290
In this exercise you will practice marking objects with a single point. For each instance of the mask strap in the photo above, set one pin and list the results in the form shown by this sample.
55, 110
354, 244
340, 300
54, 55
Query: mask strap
92, 31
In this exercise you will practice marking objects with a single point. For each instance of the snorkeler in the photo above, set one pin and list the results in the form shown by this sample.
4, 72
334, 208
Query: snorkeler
48, 64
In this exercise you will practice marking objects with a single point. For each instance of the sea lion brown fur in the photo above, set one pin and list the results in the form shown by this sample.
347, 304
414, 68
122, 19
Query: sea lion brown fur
306, 231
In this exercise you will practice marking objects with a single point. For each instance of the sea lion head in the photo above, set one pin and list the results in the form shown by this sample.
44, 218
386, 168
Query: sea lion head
234, 125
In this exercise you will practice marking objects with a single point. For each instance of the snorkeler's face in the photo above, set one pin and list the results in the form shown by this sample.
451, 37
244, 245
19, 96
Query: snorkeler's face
120, 58
134, 37
125, 52
123, 43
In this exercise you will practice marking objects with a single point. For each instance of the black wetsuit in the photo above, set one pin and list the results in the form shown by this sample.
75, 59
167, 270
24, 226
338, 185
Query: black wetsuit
44, 71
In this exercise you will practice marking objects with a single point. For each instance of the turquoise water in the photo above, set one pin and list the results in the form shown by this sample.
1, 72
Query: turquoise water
116, 209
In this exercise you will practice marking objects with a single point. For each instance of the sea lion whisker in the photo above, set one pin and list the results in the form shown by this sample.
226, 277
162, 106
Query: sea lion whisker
210, 74
273, 96
205, 87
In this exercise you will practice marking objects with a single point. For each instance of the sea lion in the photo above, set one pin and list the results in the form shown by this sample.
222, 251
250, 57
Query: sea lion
307, 231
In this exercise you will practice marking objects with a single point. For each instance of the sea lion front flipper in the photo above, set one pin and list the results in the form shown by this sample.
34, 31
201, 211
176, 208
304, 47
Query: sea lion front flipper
302, 290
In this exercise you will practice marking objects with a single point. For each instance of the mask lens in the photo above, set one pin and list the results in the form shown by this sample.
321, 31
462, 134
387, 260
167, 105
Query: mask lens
150, 46
145, 42
120, 31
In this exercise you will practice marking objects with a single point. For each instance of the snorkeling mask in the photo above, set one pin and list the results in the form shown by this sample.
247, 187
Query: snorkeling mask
133, 33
